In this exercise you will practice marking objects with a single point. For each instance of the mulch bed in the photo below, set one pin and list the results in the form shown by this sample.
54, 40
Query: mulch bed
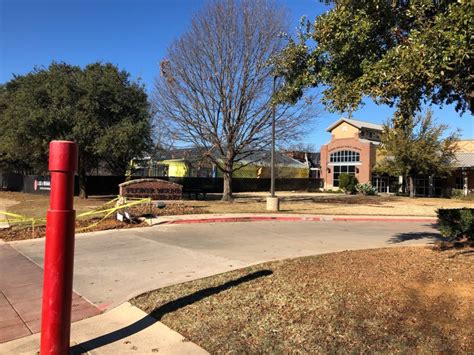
22, 232
393, 300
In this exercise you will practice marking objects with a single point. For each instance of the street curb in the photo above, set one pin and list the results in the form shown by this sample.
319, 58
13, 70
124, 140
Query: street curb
375, 219
296, 219
242, 219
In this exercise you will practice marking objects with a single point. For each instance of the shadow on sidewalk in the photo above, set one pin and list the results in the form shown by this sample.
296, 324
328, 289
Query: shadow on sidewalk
159, 312
403, 237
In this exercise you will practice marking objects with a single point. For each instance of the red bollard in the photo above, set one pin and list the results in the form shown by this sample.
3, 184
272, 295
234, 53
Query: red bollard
59, 250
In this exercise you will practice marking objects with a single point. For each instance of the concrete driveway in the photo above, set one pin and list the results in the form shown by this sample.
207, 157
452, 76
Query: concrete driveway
113, 266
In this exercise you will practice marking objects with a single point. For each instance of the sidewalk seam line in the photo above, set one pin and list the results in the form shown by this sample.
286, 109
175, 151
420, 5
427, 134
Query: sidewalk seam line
42, 270
18, 314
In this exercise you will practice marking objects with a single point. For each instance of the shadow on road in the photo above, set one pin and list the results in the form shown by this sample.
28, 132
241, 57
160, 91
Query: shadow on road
406, 236
159, 312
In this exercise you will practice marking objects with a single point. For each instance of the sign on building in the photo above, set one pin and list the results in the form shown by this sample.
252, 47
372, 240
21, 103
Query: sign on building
155, 189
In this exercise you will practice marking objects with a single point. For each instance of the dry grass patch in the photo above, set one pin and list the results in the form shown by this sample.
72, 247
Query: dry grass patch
291, 202
16, 233
411, 299
36, 206
336, 204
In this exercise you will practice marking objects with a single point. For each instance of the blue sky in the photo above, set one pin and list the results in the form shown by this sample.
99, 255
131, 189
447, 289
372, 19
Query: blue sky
134, 35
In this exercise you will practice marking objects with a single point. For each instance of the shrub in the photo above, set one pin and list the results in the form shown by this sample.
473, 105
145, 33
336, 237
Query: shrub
457, 193
366, 189
456, 223
347, 183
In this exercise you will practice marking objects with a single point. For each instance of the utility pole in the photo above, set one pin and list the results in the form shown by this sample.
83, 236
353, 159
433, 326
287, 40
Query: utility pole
272, 183
273, 203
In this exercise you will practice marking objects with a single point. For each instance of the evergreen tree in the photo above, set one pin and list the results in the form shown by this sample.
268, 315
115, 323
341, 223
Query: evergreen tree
98, 107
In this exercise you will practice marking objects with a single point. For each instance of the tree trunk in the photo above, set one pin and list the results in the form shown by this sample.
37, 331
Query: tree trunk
228, 169
411, 183
82, 182
227, 193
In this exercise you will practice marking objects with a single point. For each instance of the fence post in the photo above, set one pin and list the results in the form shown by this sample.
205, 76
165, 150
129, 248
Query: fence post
59, 250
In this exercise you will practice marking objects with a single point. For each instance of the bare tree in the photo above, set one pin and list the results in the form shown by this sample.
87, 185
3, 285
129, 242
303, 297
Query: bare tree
215, 85
301, 147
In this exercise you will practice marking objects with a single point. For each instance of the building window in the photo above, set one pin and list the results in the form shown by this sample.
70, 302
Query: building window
459, 183
344, 156
341, 169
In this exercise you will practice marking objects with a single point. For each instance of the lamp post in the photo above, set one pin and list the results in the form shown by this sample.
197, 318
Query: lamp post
273, 203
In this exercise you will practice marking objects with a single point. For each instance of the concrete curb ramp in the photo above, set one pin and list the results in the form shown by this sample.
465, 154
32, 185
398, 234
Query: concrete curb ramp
21, 296
226, 218
123, 330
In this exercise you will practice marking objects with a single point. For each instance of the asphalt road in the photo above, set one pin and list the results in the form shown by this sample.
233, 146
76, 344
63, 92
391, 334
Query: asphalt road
113, 266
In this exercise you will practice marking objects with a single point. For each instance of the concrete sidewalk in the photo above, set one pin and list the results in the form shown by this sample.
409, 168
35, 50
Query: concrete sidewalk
113, 266
284, 217
123, 330
21, 284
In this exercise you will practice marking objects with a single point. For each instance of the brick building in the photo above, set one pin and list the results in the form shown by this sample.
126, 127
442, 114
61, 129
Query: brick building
353, 149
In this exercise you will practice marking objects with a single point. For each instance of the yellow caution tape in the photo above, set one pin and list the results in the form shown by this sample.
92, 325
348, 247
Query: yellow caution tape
110, 211
16, 219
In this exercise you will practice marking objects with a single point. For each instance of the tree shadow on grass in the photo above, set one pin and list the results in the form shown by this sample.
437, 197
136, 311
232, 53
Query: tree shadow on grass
159, 312
407, 236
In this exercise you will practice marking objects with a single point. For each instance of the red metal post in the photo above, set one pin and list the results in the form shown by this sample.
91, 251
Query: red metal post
59, 250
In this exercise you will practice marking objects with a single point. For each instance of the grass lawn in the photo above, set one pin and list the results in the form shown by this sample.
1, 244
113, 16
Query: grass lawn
410, 299
30, 205
291, 202
336, 204
36, 205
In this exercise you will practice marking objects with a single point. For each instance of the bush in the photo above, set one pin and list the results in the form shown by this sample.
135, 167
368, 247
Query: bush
347, 183
457, 193
366, 189
456, 223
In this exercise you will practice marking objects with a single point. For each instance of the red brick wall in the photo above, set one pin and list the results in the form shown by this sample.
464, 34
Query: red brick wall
367, 158
156, 189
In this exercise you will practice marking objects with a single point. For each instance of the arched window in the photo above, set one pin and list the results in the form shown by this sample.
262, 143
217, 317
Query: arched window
344, 156
344, 162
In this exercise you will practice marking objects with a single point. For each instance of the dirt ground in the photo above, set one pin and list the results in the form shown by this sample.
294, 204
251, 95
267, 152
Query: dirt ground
291, 202
36, 206
394, 300
333, 204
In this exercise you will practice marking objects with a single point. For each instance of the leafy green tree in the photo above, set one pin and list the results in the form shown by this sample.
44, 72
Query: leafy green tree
98, 107
396, 52
417, 148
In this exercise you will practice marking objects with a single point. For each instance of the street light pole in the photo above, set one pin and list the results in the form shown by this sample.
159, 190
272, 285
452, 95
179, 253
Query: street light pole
272, 173
273, 203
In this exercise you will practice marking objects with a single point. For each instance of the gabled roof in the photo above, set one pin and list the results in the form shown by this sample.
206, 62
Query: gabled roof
355, 123
259, 158
262, 158
464, 160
